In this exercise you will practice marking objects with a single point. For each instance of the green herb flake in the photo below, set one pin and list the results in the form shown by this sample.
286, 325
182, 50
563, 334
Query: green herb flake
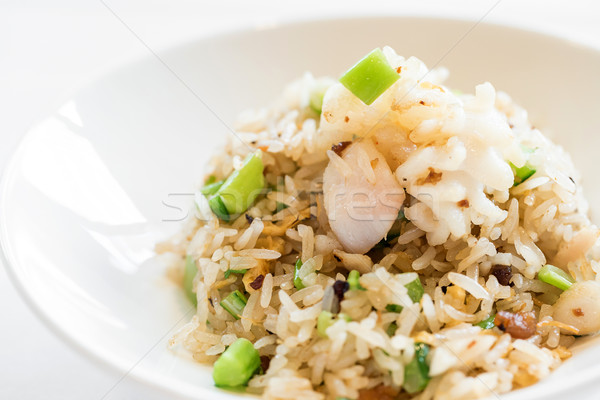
395, 308
487, 323
523, 173
235, 271
353, 280
416, 372
415, 290
391, 329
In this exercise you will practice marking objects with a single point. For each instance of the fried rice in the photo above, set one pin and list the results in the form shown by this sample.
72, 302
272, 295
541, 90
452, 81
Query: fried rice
460, 226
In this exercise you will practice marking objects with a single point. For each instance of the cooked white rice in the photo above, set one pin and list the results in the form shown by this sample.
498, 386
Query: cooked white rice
449, 153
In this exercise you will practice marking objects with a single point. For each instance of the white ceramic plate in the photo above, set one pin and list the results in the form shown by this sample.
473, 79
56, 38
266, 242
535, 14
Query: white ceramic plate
101, 179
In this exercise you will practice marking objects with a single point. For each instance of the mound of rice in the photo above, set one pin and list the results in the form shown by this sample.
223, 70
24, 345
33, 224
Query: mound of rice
464, 222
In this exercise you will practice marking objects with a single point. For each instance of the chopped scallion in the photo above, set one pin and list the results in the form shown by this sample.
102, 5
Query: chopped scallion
244, 185
487, 323
415, 290
416, 372
238, 363
211, 188
370, 77
234, 303
297, 280
240, 189
235, 271
555, 277
353, 280
218, 207
324, 321
189, 274
523, 173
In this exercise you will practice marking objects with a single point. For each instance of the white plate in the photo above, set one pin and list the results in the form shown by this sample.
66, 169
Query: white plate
93, 186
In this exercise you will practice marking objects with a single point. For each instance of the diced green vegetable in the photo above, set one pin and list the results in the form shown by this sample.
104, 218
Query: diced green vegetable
370, 77
238, 363
415, 290
396, 308
189, 274
353, 280
316, 98
235, 271
243, 186
218, 207
324, 321
280, 206
526, 171
211, 188
487, 323
345, 317
240, 189
234, 303
523, 173
555, 277
416, 372
297, 280
304, 274
391, 329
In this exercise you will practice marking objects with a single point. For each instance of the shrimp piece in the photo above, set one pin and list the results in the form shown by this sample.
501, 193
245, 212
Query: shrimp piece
362, 196
579, 306
577, 247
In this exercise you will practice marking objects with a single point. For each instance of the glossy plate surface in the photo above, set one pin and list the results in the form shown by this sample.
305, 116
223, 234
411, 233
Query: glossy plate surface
110, 172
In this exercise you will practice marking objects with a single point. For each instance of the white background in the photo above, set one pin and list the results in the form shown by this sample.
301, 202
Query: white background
49, 48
